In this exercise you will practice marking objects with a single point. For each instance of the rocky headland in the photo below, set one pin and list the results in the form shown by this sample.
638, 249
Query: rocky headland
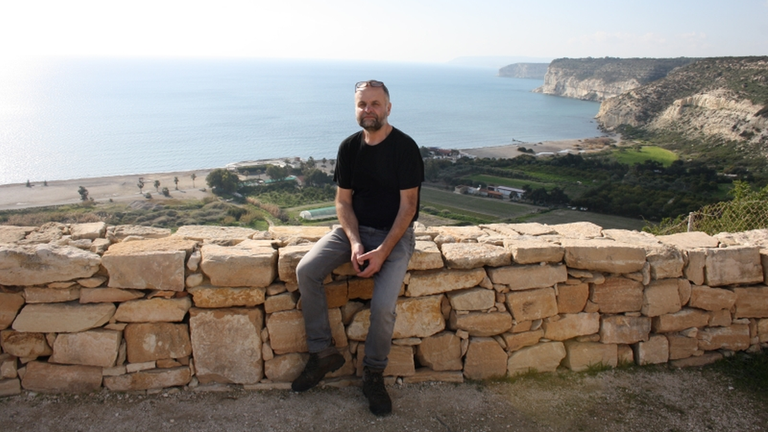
524, 70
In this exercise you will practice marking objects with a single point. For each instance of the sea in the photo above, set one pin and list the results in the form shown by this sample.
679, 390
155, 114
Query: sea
71, 118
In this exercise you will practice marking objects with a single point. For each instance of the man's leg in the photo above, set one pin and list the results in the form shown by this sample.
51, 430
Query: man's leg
328, 253
387, 284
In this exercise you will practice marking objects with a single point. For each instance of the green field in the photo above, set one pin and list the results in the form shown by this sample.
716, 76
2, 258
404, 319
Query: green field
511, 182
482, 208
630, 156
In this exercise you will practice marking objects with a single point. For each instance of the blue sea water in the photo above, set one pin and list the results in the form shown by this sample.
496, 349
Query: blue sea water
77, 118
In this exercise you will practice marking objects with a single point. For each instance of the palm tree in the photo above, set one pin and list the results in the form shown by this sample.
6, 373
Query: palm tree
176, 180
140, 184
157, 185
193, 180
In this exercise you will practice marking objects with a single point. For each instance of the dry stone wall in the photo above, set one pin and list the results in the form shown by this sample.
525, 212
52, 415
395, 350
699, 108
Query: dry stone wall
133, 308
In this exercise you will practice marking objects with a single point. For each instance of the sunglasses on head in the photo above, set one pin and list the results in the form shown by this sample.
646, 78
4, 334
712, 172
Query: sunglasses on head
369, 83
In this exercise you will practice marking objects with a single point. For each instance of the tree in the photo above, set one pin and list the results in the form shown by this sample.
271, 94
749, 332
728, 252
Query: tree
140, 184
277, 173
83, 193
194, 176
222, 181
311, 162
157, 185
166, 192
29, 184
176, 180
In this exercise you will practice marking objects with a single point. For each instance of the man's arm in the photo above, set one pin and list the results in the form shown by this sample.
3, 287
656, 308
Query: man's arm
349, 224
409, 199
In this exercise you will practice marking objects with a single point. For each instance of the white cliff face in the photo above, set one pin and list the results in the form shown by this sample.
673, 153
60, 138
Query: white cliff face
558, 83
716, 114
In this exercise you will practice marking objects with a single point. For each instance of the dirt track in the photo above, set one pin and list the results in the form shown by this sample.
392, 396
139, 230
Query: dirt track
647, 399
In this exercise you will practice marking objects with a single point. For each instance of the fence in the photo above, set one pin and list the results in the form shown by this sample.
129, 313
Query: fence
727, 216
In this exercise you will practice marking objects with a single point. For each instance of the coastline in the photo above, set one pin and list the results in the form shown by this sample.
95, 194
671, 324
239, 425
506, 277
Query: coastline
124, 187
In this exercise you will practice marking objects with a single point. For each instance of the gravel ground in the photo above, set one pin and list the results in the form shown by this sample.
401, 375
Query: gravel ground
644, 399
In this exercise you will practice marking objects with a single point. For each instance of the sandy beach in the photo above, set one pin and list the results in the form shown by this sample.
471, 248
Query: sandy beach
124, 188
101, 189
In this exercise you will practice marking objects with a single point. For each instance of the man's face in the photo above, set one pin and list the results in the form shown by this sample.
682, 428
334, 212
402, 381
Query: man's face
372, 108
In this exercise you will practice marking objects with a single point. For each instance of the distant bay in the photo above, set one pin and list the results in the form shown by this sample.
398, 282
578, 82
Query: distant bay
86, 117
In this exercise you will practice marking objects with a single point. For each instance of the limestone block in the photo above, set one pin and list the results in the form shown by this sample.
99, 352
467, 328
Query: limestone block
309, 233
220, 235
10, 303
211, 297
289, 258
428, 375
733, 265
684, 291
52, 378
441, 352
617, 295
92, 282
532, 229
155, 263
13, 234
516, 341
90, 231
426, 256
153, 310
43, 263
357, 330
661, 297
721, 318
51, 295
226, 345
690, 240
8, 366
654, 351
360, 288
285, 368
485, 359
681, 347
249, 264
666, 261
108, 295
462, 234
620, 329
626, 355
764, 262
99, 246
90, 348
532, 304
751, 302
280, 302
156, 341
336, 294
122, 232
400, 361
286, 332
580, 356
533, 251
193, 280
734, 337
762, 330
603, 256
472, 299
544, 357
418, 317
694, 269
679, 321
149, 379
63, 317
482, 324
473, 255
348, 368
21, 344
702, 360
563, 327
528, 276
572, 298
711, 299
10, 387
436, 282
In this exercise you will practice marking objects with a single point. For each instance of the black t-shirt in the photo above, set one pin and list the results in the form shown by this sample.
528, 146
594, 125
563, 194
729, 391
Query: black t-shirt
376, 174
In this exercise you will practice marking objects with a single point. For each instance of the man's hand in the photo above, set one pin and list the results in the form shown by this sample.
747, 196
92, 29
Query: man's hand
375, 259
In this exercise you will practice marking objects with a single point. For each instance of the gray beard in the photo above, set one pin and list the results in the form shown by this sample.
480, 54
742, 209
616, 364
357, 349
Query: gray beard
371, 125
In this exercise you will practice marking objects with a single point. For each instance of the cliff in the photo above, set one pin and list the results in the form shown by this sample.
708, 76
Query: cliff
723, 97
524, 70
599, 79
128, 308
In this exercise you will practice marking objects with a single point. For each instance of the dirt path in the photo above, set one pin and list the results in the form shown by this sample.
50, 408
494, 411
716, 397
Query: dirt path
648, 399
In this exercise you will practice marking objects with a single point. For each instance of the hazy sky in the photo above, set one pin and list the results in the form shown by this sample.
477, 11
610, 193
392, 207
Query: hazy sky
392, 30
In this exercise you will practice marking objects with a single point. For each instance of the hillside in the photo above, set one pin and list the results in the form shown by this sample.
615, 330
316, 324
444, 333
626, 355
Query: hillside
598, 79
524, 70
724, 98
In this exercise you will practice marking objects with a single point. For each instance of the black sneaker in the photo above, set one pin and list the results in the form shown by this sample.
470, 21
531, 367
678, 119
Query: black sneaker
373, 388
315, 370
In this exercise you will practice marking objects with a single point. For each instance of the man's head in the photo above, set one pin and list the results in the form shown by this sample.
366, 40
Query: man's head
372, 104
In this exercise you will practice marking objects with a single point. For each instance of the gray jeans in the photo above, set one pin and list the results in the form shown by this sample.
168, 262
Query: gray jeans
334, 250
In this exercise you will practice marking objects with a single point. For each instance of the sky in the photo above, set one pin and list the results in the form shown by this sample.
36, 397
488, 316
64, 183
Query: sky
432, 31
